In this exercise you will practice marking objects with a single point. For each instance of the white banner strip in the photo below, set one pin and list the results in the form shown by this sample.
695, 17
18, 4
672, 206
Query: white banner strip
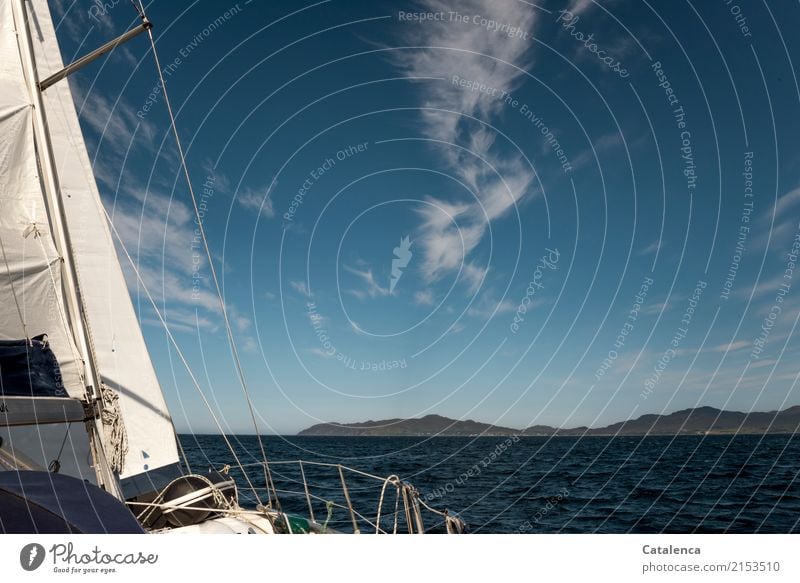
619, 558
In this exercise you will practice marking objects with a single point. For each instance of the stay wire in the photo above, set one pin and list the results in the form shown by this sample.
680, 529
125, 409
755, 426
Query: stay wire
212, 269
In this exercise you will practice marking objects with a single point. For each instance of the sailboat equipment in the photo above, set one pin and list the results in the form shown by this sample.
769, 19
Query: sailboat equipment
408, 508
199, 222
106, 477
95, 54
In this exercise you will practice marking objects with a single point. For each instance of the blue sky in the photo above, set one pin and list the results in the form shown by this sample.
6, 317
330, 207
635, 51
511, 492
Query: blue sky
599, 200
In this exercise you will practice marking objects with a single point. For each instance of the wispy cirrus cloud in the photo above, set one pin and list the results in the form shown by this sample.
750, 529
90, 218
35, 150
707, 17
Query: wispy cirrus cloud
300, 287
730, 346
450, 231
780, 230
579, 6
370, 286
424, 297
317, 351
488, 307
602, 144
159, 233
651, 248
186, 321
115, 123
473, 276
259, 200
156, 229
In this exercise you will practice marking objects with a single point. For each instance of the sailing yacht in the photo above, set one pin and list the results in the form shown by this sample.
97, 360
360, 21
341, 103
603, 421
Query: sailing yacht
87, 443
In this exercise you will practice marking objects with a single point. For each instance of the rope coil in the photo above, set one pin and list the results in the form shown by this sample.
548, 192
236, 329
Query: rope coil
116, 437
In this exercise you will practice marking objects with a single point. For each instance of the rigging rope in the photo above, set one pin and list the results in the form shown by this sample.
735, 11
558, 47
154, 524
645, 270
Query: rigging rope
395, 481
212, 269
55, 465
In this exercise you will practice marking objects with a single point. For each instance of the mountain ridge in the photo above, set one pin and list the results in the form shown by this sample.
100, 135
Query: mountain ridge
693, 421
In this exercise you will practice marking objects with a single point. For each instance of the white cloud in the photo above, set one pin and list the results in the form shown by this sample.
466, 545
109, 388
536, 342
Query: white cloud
157, 230
300, 286
371, 287
738, 345
456, 328
764, 362
781, 232
651, 248
318, 320
787, 201
242, 323
424, 297
478, 54
248, 343
488, 307
219, 181
115, 122
654, 309
445, 244
182, 320
473, 276
259, 200
604, 143
80, 17
765, 287
579, 6
159, 234
354, 326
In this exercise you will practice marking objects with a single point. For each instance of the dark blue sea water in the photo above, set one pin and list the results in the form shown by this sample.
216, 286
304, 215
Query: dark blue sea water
711, 484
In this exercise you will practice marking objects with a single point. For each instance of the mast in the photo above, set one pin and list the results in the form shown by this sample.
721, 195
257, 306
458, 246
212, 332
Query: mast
106, 478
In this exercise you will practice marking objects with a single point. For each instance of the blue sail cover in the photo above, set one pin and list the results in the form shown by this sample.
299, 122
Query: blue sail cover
29, 369
47, 503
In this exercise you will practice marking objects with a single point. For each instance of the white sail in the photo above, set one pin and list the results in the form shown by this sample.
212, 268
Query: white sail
31, 299
121, 354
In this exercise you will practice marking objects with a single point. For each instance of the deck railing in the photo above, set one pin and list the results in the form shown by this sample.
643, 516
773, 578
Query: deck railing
398, 506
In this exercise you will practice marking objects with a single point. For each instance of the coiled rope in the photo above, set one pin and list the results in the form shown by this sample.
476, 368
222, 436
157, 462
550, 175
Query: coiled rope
116, 437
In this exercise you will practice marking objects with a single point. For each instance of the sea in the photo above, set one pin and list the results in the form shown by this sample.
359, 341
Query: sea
655, 484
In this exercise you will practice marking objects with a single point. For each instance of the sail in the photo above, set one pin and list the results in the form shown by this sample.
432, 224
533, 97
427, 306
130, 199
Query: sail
122, 357
31, 298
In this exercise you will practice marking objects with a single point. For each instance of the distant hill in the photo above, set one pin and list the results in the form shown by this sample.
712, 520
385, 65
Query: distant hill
706, 420
685, 422
428, 425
